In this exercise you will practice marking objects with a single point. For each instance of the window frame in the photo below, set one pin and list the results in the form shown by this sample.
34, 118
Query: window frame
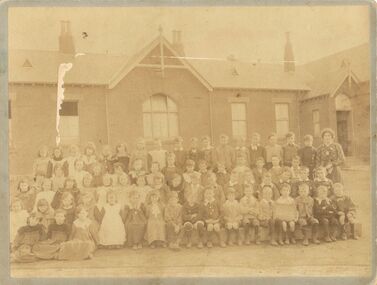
244, 104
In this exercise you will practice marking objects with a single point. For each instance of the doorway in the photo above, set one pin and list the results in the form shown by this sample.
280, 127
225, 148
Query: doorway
343, 127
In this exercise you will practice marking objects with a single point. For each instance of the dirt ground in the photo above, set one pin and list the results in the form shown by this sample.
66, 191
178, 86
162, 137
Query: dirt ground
345, 258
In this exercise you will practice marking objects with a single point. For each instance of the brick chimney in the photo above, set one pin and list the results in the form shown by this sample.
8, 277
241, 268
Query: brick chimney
289, 59
66, 44
177, 42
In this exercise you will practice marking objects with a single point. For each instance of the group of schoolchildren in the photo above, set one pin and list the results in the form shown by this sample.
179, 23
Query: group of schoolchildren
112, 199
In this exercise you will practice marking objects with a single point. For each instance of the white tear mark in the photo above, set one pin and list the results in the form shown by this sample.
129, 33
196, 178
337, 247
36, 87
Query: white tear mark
63, 68
79, 54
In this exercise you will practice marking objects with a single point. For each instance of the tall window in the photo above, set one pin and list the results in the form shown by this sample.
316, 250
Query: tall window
282, 119
316, 125
239, 127
160, 117
69, 122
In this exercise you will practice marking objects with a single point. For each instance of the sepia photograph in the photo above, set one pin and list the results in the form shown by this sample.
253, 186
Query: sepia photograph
219, 141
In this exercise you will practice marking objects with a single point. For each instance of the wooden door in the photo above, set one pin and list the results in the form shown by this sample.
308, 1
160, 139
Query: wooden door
342, 130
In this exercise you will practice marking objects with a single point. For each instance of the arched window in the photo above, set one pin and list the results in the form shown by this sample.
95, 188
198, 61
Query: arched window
160, 117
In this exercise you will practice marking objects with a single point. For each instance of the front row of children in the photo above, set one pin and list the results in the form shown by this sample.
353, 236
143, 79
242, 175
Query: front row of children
172, 224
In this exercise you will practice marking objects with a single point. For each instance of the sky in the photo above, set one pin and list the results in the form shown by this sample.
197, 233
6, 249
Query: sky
248, 33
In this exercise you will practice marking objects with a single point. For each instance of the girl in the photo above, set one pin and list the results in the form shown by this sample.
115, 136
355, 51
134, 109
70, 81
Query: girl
193, 154
211, 216
140, 153
155, 170
87, 185
207, 152
158, 154
123, 189
176, 186
18, 218
44, 213
155, 223
74, 153
68, 205
232, 217
143, 189
249, 208
222, 176
171, 169
58, 232
70, 187
122, 156
58, 178
27, 237
162, 188
81, 243
89, 157
26, 195
112, 233
135, 220
42, 163
101, 192
190, 169
46, 193
173, 218
179, 153
97, 173
286, 215
57, 158
137, 170
107, 159
118, 171
79, 172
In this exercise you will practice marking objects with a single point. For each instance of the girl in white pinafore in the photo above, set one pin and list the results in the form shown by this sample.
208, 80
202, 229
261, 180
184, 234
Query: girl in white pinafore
112, 233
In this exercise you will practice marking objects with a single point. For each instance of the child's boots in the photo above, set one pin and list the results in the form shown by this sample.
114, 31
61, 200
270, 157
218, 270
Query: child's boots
353, 232
315, 234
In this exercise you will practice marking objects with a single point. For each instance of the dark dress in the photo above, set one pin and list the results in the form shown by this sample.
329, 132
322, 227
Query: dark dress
331, 156
135, 223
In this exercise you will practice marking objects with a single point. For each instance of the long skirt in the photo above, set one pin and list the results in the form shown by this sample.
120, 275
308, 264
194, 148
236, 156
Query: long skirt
76, 249
135, 233
47, 249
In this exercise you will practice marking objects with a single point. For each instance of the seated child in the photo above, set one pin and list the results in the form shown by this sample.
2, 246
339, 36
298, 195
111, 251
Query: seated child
192, 220
122, 156
162, 188
140, 153
46, 192
249, 207
97, 172
285, 178
143, 189
123, 189
137, 170
266, 212
306, 221
58, 178
135, 220
58, 159
171, 169
276, 170
321, 180
194, 188
27, 237
101, 192
259, 170
26, 195
155, 170
295, 169
241, 167
190, 166
325, 211
286, 216
303, 178
42, 164
217, 189
112, 233
222, 175
68, 205
204, 172
44, 213
74, 153
79, 172
211, 216
232, 216
89, 156
267, 181
235, 184
176, 185
155, 221
107, 159
173, 219
18, 218
346, 210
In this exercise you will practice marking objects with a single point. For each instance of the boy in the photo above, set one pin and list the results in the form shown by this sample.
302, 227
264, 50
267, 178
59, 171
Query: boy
194, 188
303, 178
222, 176
285, 178
180, 153
295, 169
322, 180
276, 170
267, 181
173, 219
266, 212
346, 211
193, 152
217, 189
272, 149
305, 214
290, 149
241, 150
250, 213
224, 153
259, 170
204, 173
308, 154
234, 183
190, 169
256, 150
207, 152
232, 217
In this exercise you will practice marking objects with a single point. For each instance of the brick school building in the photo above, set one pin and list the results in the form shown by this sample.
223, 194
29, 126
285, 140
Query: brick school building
160, 92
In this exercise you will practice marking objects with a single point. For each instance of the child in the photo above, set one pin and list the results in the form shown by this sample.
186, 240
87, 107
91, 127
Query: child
122, 156
241, 150
79, 172
217, 189
135, 220
155, 224
118, 171
140, 153
276, 170
267, 181
256, 150
308, 154
242, 168
346, 211
266, 212
171, 169
180, 153
42, 164
193, 153
161, 187
249, 208
286, 215
112, 233
46, 192
143, 189
74, 153
207, 152
290, 150
155, 170
89, 157
285, 178
192, 220
58, 232
232, 216
107, 159
273, 149
58, 159
87, 185
190, 169
68, 205
224, 153
306, 221
173, 218
303, 178
194, 188
222, 176
97, 173
158, 154
321, 180
101, 192
234, 183
295, 169
44, 213
27, 237
177, 186
18, 218
211, 216
137, 170
259, 170
204, 173
123, 189
325, 211
26, 195
81, 243
58, 178
70, 187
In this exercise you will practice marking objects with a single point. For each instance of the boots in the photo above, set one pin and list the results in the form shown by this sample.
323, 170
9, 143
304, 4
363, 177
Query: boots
272, 235
353, 232
343, 232
256, 231
292, 237
306, 236
315, 234
286, 236
326, 232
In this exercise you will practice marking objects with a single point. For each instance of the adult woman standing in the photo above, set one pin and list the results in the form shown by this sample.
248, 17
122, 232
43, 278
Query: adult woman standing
330, 155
